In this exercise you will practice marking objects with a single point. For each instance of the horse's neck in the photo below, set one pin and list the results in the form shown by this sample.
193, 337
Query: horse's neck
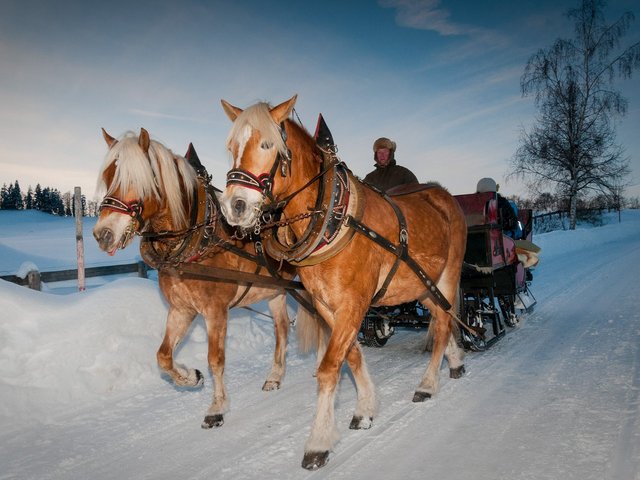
305, 200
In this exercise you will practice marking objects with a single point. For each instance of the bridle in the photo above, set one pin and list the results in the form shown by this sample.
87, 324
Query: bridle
263, 183
133, 209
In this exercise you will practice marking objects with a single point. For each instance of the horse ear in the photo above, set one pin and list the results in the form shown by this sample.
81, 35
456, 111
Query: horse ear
143, 140
281, 112
108, 138
231, 111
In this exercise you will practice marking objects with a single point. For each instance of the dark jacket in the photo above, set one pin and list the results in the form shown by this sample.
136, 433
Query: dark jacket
390, 176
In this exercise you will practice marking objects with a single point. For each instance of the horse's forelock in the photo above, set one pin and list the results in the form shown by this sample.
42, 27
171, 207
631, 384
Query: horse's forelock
133, 170
255, 118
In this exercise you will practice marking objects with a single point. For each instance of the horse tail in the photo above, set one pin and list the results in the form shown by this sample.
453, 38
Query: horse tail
311, 329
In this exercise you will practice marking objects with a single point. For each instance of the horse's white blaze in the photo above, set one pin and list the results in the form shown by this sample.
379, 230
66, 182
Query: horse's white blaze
242, 139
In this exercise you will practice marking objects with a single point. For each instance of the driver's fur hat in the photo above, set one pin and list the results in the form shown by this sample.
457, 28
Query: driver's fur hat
384, 142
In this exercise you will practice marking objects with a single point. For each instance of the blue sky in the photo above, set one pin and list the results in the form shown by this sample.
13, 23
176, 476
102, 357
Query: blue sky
441, 78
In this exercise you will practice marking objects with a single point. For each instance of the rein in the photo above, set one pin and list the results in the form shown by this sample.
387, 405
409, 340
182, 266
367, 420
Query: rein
298, 254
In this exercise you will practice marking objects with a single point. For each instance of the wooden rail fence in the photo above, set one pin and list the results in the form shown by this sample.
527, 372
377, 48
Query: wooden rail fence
34, 278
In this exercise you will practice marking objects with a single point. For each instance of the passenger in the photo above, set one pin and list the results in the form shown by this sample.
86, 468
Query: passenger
387, 173
508, 217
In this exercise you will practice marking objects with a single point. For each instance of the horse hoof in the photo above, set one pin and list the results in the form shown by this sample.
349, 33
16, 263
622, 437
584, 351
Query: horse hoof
315, 460
270, 385
210, 421
456, 372
199, 378
360, 423
419, 397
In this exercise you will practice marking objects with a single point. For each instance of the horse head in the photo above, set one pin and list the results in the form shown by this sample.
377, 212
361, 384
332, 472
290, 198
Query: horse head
261, 160
142, 181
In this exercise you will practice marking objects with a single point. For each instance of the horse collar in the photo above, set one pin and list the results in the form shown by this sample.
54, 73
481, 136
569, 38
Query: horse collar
191, 242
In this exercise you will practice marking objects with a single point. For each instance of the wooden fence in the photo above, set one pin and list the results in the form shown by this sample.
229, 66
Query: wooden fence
34, 278
544, 222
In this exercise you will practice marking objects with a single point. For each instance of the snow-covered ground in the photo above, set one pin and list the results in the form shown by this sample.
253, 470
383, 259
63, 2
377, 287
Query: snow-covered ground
81, 396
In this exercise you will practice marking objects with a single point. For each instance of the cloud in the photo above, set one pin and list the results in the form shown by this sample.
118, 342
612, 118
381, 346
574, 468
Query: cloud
425, 15
145, 113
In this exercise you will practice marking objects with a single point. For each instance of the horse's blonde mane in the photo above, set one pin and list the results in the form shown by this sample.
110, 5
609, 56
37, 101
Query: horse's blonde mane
256, 117
158, 176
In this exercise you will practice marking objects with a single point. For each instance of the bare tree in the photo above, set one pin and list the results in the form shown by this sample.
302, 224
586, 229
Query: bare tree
572, 145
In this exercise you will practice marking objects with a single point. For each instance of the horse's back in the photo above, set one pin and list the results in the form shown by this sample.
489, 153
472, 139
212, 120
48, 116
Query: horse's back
429, 202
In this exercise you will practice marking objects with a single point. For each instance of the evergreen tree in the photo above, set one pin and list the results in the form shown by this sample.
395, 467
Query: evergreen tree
37, 199
16, 197
29, 200
3, 196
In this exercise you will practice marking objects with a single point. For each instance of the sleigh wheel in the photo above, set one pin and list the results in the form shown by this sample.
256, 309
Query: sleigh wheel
375, 331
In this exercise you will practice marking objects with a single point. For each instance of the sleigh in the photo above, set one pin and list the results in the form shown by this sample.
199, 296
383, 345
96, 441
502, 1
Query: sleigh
495, 280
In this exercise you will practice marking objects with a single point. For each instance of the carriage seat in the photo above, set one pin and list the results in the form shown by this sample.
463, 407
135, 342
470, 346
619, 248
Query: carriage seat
487, 247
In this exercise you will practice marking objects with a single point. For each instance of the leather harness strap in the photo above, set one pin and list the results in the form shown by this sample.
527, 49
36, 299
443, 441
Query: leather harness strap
401, 252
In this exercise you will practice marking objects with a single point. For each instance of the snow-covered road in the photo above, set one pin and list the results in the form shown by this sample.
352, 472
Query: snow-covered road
557, 398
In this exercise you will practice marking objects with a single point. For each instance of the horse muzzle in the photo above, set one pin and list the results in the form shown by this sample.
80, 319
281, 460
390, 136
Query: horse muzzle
241, 207
115, 234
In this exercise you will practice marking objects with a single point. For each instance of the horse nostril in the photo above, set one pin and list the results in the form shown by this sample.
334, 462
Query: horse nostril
104, 237
239, 207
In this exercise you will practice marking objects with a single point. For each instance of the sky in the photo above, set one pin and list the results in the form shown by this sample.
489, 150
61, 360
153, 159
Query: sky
440, 78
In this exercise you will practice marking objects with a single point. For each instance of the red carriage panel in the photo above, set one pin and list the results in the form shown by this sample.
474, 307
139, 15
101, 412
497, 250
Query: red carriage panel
487, 246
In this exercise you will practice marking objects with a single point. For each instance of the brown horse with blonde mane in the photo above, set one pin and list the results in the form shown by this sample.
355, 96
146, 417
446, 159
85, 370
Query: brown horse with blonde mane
352, 245
152, 192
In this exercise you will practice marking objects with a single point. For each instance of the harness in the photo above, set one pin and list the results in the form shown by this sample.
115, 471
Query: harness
328, 217
180, 251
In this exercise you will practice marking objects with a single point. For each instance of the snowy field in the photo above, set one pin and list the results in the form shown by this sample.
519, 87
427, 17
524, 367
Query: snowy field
81, 396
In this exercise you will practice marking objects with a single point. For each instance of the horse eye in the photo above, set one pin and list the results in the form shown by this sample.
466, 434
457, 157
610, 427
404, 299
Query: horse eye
266, 145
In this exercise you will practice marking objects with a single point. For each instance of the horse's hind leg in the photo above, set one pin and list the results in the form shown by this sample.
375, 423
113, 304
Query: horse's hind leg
454, 354
216, 319
278, 307
178, 322
441, 331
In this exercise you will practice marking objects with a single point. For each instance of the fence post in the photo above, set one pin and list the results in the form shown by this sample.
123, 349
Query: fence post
142, 270
77, 208
33, 280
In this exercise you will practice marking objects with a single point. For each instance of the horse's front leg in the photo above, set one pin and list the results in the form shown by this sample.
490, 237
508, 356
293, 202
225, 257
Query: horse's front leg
278, 307
178, 322
366, 406
324, 433
216, 320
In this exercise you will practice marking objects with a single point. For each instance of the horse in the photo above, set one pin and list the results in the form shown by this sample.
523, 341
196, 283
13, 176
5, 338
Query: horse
352, 246
159, 195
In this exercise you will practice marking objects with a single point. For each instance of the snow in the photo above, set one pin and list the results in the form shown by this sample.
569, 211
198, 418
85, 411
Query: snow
81, 395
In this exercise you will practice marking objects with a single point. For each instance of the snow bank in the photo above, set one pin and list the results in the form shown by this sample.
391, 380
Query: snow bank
60, 352
565, 242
